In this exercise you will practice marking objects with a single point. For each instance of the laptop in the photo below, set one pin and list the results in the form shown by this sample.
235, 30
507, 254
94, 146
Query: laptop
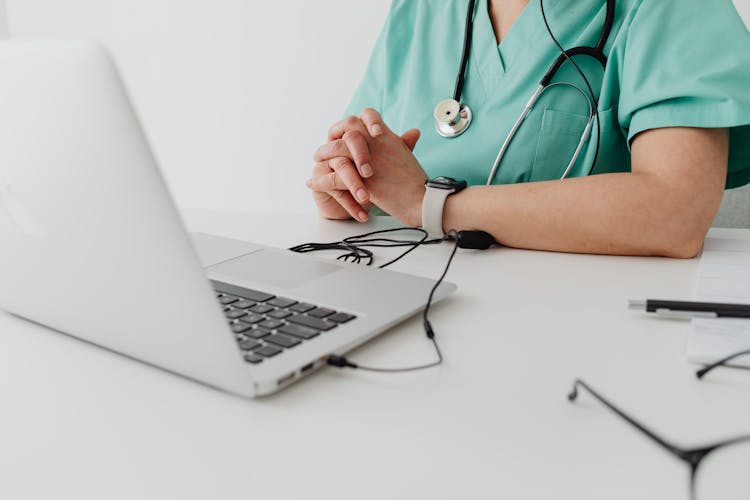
93, 247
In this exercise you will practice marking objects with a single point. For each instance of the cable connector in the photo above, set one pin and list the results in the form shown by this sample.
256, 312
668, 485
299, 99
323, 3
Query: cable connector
340, 362
428, 329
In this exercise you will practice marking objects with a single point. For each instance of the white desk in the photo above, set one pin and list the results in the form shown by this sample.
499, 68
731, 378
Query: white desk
493, 422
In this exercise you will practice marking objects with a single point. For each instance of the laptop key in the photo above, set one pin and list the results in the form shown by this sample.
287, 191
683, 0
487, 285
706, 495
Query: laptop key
261, 308
341, 317
235, 313
317, 323
249, 345
279, 314
227, 299
252, 318
241, 327
257, 333
302, 307
282, 340
255, 295
320, 312
299, 331
271, 324
268, 351
253, 358
243, 304
281, 302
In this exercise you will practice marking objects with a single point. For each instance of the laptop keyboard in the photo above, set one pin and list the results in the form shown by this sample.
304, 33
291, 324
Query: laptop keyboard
266, 325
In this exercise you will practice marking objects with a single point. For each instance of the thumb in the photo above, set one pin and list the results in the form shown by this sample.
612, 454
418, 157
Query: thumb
410, 138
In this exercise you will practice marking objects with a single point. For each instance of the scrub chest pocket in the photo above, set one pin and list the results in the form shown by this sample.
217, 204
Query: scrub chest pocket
559, 135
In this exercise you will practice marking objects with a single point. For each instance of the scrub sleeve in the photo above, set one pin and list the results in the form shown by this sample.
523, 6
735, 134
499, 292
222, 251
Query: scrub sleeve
687, 63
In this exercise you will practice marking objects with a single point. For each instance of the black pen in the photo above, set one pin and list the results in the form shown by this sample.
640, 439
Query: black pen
686, 310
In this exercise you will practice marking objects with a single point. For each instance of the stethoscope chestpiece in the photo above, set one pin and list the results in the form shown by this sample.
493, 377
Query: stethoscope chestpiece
451, 118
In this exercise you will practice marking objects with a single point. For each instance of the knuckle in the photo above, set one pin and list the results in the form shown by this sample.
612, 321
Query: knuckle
338, 147
353, 137
370, 114
319, 170
339, 163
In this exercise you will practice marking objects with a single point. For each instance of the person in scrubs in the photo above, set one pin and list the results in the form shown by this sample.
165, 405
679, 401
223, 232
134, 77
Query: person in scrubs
673, 112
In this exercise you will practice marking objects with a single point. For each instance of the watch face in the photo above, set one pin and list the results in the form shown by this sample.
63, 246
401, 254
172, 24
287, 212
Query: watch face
446, 183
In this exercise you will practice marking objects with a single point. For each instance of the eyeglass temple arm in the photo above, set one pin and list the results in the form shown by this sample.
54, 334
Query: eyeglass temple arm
675, 450
705, 370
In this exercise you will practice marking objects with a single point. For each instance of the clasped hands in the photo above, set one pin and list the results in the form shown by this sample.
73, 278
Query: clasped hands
363, 164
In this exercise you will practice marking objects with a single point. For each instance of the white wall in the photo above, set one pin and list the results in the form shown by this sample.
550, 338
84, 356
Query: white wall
234, 94
743, 7
3, 21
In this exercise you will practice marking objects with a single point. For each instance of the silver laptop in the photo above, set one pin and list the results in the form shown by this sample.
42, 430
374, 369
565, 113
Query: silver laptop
91, 244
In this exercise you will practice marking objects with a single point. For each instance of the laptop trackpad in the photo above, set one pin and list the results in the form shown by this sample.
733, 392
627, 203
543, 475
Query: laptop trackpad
274, 269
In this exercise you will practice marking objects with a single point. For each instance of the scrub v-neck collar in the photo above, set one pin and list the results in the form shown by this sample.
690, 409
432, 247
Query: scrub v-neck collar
495, 60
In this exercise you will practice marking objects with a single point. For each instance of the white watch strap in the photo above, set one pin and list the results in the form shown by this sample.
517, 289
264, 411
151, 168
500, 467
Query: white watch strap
432, 210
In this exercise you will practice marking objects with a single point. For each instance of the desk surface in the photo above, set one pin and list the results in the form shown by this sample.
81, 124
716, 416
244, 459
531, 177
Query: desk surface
492, 422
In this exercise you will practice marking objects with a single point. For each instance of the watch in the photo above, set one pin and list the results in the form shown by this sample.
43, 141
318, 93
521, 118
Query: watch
436, 192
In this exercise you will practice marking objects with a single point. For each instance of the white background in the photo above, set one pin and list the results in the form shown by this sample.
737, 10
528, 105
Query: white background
234, 94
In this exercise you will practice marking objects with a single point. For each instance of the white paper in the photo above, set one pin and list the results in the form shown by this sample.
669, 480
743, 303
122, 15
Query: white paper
724, 276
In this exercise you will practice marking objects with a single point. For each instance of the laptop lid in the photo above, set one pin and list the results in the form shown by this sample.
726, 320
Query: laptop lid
92, 245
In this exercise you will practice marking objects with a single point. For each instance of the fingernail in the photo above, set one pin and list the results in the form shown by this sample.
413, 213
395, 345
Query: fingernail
361, 195
376, 130
363, 216
366, 170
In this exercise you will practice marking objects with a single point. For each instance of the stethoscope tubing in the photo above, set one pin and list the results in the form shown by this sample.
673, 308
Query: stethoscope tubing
455, 127
527, 109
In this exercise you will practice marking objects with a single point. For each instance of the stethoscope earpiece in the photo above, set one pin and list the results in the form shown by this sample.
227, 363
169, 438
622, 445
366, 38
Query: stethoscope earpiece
451, 118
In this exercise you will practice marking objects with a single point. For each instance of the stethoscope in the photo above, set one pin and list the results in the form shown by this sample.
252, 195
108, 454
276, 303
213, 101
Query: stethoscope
452, 117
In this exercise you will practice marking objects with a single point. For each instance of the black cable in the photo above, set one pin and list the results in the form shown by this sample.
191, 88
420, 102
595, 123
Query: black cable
342, 362
469, 29
361, 240
586, 81
356, 251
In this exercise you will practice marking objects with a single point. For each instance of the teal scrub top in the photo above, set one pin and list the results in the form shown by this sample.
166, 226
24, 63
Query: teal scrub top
671, 63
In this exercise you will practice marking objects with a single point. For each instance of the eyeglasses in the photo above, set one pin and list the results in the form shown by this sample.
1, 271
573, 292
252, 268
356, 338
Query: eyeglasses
722, 362
720, 471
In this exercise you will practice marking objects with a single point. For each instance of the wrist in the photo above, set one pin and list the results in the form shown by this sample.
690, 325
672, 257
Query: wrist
437, 192
454, 208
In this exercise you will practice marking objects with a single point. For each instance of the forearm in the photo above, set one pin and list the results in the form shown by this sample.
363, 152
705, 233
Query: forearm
625, 214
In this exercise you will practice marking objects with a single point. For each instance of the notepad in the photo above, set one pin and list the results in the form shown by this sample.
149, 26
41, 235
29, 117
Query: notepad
723, 276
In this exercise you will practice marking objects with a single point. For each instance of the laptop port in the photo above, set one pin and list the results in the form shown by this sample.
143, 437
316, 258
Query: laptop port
307, 367
285, 379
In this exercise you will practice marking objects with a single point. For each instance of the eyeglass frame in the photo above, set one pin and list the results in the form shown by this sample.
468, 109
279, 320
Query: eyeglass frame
722, 362
693, 457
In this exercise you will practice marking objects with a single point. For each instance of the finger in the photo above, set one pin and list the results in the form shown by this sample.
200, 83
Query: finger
350, 178
321, 168
352, 145
331, 150
360, 152
374, 122
345, 199
341, 127
339, 176
347, 175
326, 183
342, 200
410, 138
318, 185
